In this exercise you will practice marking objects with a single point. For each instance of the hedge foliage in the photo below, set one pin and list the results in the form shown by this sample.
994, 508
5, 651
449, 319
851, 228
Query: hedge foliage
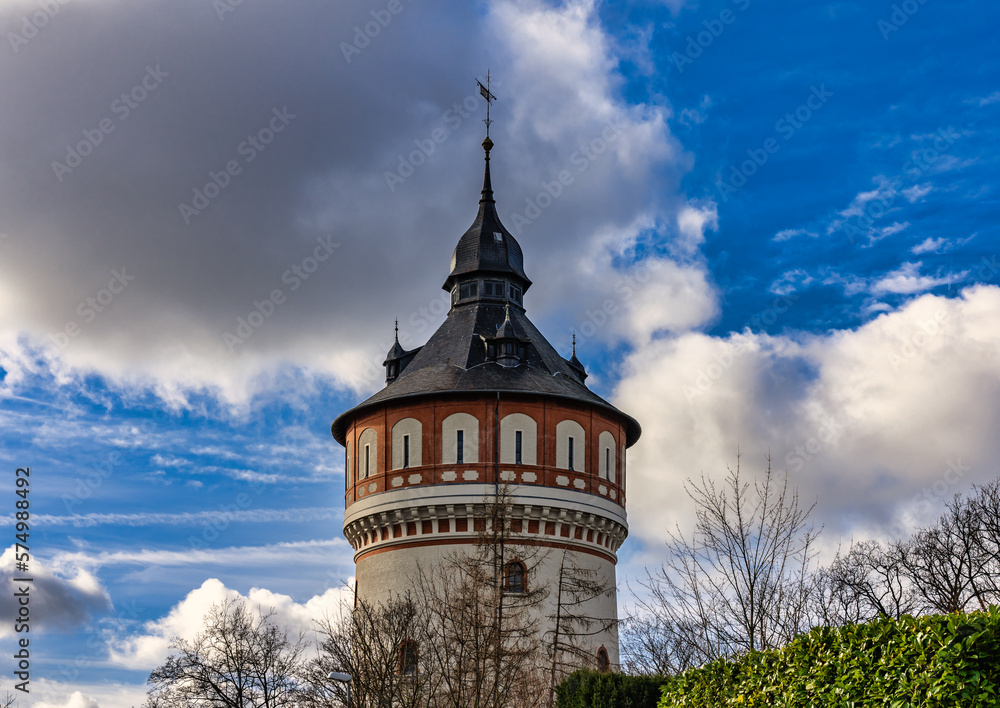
590, 689
937, 660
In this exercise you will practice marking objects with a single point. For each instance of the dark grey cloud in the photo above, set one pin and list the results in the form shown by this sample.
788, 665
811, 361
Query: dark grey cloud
164, 96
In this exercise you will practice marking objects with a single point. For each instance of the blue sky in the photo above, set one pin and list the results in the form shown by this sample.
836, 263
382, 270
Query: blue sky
780, 234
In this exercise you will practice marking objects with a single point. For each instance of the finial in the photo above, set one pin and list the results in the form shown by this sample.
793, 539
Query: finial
397, 330
490, 98
574, 343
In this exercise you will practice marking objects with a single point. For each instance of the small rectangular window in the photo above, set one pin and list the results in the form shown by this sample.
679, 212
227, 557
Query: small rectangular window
517, 447
515, 294
406, 451
497, 237
607, 463
570, 455
460, 447
493, 288
368, 458
468, 290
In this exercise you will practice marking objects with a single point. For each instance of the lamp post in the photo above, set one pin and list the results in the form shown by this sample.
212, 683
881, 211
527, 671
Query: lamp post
346, 679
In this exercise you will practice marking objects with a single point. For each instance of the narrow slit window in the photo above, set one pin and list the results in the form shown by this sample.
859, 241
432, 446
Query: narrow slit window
569, 457
368, 459
607, 463
460, 447
406, 451
517, 447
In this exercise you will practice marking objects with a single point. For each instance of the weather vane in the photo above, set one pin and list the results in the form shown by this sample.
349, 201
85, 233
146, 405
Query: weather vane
490, 98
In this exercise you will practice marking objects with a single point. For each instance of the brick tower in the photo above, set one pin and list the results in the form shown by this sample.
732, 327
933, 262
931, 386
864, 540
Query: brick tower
486, 400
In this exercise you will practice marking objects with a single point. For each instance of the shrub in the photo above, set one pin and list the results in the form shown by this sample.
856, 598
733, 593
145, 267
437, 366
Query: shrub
591, 689
937, 660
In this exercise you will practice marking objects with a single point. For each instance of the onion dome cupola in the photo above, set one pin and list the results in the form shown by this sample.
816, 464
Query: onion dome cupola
487, 262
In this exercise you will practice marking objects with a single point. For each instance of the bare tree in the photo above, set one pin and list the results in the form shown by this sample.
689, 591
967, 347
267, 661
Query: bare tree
651, 644
866, 583
576, 590
481, 638
948, 564
743, 581
378, 645
240, 660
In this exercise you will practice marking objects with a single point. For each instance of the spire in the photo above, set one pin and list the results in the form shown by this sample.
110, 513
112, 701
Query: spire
576, 364
487, 197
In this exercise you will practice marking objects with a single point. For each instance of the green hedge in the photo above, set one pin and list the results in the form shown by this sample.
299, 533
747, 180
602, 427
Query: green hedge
938, 660
590, 689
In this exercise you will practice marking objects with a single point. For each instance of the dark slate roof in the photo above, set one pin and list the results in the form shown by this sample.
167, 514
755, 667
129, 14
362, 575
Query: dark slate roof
453, 361
479, 250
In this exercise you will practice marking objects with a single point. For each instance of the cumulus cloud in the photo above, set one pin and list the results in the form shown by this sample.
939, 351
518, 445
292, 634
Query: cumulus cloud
879, 424
186, 619
60, 601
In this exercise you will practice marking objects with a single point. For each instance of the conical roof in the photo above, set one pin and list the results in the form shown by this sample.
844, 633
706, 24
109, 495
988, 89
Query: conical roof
487, 247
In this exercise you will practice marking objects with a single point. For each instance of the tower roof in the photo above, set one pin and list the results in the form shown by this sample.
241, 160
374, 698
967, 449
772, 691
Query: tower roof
487, 247
458, 359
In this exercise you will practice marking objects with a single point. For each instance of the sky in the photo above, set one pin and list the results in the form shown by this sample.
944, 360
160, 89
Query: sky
772, 227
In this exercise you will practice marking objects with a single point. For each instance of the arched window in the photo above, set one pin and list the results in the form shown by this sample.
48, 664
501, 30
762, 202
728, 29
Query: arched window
367, 453
603, 661
512, 427
570, 446
515, 577
406, 444
460, 439
607, 445
408, 657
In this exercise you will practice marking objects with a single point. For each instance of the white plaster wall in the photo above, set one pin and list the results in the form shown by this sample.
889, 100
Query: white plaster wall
529, 439
449, 428
564, 431
390, 574
413, 428
368, 437
606, 444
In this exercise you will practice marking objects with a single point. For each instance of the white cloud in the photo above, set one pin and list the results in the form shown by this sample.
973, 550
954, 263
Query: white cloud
186, 619
907, 280
75, 700
917, 192
61, 599
871, 422
789, 234
929, 245
790, 281
692, 221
